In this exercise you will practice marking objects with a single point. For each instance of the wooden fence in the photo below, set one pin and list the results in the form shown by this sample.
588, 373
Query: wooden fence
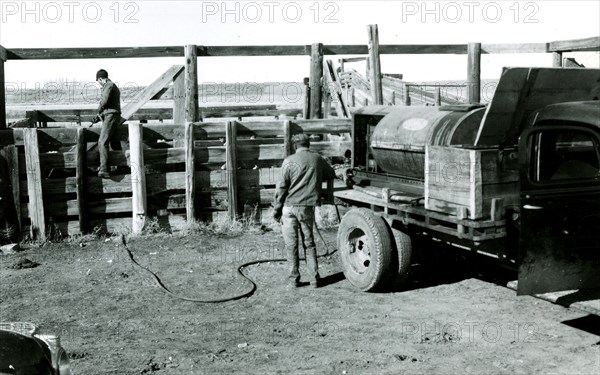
172, 172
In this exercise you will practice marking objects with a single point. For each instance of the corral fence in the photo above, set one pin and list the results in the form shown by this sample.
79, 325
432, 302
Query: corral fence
168, 172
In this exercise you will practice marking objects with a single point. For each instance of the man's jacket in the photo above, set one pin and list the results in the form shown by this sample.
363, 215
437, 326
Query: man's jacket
110, 101
302, 176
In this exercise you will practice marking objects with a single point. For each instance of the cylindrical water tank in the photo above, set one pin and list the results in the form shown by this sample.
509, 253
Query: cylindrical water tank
399, 139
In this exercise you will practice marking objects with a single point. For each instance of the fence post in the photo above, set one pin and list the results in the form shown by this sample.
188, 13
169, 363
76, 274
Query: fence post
190, 172
138, 178
438, 96
316, 76
191, 83
34, 184
81, 179
407, 95
557, 59
2, 90
376, 87
231, 165
474, 72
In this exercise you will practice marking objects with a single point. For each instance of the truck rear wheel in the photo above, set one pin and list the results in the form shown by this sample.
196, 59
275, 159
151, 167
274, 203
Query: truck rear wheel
366, 250
403, 253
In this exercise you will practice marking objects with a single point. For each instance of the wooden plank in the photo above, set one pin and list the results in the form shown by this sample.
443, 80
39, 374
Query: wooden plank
231, 163
315, 81
190, 176
138, 178
81, 180
586, 44
156, 132
470, 178
158, 183
474, 73
289, 50
109, 206
85, 114
179, 99
191, 83
145, 95
34, 184
334, 89
165, 199
375, 64
514, 48
10, 154
283, 50
453, 180
93, 53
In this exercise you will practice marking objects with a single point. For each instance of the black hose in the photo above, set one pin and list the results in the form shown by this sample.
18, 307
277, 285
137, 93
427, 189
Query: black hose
249, 293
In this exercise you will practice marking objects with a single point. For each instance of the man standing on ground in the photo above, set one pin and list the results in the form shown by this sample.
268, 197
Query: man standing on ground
298, 192
110, 112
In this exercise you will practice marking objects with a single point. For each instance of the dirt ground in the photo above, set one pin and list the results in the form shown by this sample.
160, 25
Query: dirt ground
448, 319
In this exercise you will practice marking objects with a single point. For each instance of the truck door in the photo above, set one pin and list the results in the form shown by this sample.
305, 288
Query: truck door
559, 246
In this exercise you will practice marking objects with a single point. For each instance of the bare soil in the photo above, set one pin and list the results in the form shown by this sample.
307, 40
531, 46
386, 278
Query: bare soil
453, 317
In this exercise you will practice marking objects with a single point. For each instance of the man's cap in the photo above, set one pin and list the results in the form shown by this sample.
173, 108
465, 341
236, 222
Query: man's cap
101, 74
301, 139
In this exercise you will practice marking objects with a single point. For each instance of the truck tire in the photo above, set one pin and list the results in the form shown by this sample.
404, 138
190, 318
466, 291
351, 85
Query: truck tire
366, 250
403, 252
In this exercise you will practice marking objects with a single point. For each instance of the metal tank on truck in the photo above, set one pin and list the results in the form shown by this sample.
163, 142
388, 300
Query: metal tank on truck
486, 179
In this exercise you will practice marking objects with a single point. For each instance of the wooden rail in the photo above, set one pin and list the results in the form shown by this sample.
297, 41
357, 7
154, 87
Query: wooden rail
77, 115
172, 172
586, 44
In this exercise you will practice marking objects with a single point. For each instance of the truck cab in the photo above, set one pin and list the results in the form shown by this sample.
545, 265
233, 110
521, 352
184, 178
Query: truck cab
560, 199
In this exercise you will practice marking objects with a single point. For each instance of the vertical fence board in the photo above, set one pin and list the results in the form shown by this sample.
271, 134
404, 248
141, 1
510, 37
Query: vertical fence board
179, 103
306, 97
190, 168
231, 165
316, 86
2, 97
138, 178
191, 83
34, 184
81, 179
287, 138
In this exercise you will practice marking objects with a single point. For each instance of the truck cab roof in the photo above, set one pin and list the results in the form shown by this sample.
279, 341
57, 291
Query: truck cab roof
587, 112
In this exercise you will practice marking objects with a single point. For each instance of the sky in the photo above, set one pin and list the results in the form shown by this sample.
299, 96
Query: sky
53, 24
